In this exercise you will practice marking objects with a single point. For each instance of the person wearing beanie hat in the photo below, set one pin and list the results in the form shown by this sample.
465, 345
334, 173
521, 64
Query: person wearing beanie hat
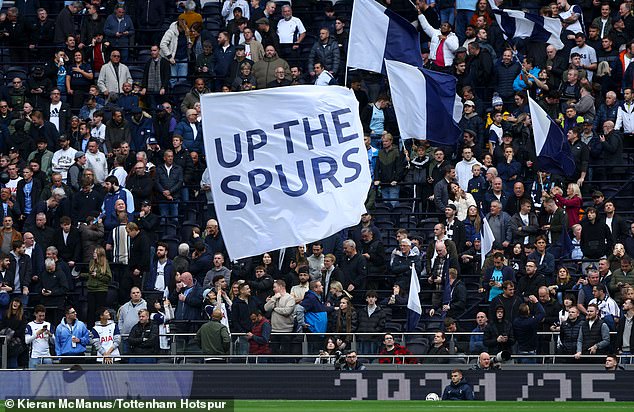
497, 102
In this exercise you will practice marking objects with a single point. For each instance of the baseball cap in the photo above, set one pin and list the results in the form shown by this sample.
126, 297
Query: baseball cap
79, 155
469, 103
152, 140
262, 20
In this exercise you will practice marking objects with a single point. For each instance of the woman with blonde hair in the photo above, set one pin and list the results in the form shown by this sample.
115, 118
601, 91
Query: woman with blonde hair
571, 203
336, 293
99, 277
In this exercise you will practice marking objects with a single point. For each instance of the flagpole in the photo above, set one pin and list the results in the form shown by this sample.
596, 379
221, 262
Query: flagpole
345, 74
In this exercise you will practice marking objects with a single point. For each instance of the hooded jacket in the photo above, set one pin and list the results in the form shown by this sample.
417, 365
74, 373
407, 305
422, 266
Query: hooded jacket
264, 70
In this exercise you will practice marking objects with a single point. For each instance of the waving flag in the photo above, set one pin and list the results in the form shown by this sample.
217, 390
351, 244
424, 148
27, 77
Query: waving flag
424, 102
551, 146
377, 33
518, 24
487, 239
414, 308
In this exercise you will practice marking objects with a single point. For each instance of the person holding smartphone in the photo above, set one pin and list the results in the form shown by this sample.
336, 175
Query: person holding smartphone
39, 336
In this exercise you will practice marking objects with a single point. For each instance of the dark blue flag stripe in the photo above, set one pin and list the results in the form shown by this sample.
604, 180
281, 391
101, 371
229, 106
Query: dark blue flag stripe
402, 43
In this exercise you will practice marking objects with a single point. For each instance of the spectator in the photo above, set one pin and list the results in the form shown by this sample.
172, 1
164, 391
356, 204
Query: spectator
498, 334
281, 305
264, 69
476, 341
371, 320
352, 363
169, 184
394, 353
259, 335
240, 316
71, 337
594, 335
144, 338
213, 337
64, 24
105, 337
39, 334
113, 75
291, 32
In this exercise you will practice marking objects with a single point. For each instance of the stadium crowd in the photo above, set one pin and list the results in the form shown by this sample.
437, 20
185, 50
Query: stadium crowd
110, 239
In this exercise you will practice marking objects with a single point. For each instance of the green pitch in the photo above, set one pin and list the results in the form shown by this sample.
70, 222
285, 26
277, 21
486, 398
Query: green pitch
395, 406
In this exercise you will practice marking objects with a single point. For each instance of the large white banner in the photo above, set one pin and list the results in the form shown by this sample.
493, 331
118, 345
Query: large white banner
288, 165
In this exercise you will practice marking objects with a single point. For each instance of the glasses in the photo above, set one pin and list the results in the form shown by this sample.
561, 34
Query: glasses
115, 55
18, 82
72, 312
351, 356
4, 106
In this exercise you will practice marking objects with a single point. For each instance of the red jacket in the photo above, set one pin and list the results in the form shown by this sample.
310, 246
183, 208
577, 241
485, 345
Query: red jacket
398, 350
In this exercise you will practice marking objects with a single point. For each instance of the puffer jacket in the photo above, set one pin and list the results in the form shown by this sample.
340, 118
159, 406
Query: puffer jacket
328, 55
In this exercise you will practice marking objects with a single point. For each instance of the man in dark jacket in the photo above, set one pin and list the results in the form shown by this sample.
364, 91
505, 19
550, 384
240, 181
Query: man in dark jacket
594, 336
326, 51
54, 287
169, 183
241, 310
144, 338
480, 71
374, 253
498, 335
64, 24
161, 270
139, 257
458, 389
525, 328
506, 71
389, 170
354, 267
569, 333
371, 320
189, 297
67, 241
508, 300
20, 262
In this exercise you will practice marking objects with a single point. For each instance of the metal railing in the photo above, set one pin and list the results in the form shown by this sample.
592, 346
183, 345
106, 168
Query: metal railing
177, 357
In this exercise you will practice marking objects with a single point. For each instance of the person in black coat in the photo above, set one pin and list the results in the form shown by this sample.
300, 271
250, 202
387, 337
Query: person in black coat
148, 222
32, 192
19, 259
144, 338
139, 257
374, 252
354, 267
68, 242
169, 186
53, 287
188, 298
64, 115
498, 335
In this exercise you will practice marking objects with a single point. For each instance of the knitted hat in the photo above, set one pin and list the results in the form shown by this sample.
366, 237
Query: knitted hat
497, 101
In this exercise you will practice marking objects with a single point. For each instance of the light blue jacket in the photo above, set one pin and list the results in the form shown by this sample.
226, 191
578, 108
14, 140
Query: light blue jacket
63, 338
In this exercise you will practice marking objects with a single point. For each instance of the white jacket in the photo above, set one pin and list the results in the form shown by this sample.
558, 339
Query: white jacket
108, 78
449, 47
169, 42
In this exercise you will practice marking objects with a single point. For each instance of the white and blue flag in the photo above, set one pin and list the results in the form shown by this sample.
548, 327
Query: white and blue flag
377, 33
424, 102
518, 24
414, 308
551, 146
